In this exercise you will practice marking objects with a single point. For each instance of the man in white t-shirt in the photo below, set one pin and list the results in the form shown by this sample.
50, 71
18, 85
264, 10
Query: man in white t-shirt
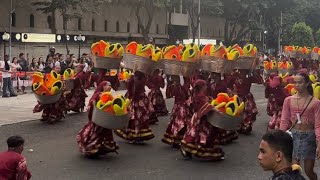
6, 78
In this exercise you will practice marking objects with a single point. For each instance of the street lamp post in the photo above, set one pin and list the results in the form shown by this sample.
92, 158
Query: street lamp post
5, 37
10, 28
199, 30
79, 38
264, 44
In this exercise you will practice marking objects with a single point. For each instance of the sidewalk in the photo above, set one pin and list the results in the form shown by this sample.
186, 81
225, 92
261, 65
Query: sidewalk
19, 109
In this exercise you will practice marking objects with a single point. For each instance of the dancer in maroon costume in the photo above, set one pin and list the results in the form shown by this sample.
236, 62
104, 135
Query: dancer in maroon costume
55, 111
140, 109
199, 139
218, 83
104, 75
275, 94
94, 140
241, 86
77, 96
181, 112
155, 82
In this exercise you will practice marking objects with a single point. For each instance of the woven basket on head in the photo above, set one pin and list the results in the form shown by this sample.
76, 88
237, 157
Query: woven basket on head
138, 63
109, 121
245, 63
217, 65
183, 68
47, 99
224, 121
106, 63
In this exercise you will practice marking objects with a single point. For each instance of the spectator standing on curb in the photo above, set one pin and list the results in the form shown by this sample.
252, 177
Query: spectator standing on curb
14, 68
51, 54
24, 68
6, 77
58, 60
41, 64
48, 65
13, 165
275, 154
34, 65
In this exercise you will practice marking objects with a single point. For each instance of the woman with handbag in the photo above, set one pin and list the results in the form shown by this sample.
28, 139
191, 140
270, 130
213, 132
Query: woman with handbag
301, 115
14, 68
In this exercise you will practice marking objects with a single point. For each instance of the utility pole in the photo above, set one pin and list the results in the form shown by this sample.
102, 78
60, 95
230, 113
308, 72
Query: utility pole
199, 33
279, 37
10, 30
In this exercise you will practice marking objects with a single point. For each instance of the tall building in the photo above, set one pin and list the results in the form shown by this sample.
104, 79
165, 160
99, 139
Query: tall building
33, 32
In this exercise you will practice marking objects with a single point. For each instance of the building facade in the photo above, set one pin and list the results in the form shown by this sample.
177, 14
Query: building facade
32, 30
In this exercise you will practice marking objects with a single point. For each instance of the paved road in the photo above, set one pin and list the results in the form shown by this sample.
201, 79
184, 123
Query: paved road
56, 156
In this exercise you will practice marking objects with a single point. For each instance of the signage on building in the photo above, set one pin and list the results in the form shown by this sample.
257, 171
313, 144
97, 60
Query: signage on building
41, 38
15, 37
61, 38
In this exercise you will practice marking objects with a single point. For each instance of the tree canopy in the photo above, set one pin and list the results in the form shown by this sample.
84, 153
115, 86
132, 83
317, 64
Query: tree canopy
302, 35
244, 19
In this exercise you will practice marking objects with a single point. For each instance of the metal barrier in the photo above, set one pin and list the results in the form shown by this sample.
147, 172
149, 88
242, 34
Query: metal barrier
16, 81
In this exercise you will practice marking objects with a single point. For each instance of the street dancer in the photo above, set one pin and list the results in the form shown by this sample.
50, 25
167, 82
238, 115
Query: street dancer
218, 83
181, 111
55, 111
94, 140
275, 93
242, 82
77, 96
140, 109
199, 139
105, 75
154, 83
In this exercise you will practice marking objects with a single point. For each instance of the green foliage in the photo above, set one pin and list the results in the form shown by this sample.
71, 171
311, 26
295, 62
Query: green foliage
317, 38
68, 9
302, 35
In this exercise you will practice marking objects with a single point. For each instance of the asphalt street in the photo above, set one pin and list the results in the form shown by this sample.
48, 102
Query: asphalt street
52, 153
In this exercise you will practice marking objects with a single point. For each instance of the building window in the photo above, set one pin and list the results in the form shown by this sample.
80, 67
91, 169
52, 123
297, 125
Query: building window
93, 25
138, 28
13, 19
49, 21
128, 27
31, 20
105, 26
79, 24
157, 29
117, 26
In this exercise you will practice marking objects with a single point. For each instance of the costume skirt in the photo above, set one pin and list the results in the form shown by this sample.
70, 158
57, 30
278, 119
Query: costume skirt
96, 140
250, 113
181, 114
138, 128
